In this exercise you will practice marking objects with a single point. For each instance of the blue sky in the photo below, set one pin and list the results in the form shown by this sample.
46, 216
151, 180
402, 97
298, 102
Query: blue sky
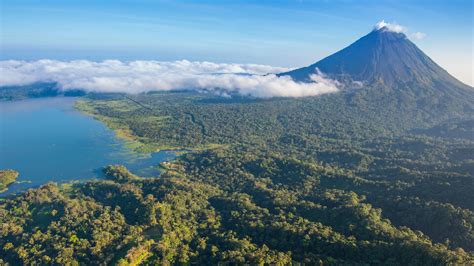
281, 33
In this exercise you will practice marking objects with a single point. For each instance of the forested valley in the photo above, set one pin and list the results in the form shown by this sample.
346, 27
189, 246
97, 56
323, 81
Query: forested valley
333, 179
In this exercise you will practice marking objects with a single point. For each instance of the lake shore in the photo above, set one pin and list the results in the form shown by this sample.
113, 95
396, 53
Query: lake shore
132, 141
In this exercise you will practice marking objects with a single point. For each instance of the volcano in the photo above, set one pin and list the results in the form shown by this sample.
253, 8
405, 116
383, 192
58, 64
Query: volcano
385, 76
382, 58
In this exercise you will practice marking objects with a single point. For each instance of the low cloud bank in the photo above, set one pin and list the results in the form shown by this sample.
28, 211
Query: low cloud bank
144, 76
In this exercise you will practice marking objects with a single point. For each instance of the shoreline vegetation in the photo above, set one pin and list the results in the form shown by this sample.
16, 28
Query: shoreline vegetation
132, 141
122, 133
7, 177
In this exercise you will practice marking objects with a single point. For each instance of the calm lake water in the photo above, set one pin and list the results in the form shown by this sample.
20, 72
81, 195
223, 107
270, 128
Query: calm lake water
48, 140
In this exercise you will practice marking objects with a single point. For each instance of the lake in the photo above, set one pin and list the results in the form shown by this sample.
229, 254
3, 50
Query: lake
47, 140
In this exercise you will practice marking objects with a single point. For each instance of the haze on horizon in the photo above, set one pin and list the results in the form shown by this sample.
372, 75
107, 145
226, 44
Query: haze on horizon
281, 33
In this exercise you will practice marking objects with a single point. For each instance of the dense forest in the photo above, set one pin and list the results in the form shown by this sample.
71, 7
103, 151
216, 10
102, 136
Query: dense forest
316, 180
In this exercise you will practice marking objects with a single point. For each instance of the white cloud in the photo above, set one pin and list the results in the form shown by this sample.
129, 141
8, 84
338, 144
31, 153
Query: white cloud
389, 26
394, 27
144, 76
418, 35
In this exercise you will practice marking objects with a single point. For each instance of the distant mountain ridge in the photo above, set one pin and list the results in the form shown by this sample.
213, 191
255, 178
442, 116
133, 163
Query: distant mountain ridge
36, 90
